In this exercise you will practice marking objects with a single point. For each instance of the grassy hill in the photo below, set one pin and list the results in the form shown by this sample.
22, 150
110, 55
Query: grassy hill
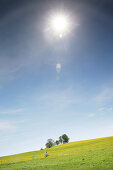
92, 154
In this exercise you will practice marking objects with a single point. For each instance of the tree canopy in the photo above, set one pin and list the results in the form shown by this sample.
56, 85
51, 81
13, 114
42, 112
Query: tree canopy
65, 138
62, 139
49, 143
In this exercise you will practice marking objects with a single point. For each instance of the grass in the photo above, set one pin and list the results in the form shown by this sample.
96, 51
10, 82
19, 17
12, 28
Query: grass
95, 154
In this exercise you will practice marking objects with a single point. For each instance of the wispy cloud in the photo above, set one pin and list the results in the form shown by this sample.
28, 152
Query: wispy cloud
5, 138
12, 111
105, 96
107, 109
101, 109
10, 125
60, 99
91, 115
7, 125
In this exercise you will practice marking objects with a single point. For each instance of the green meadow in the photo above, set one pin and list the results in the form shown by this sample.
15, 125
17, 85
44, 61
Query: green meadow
92, 154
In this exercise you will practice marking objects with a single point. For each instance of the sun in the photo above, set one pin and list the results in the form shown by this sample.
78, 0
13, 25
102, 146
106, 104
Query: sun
60, 24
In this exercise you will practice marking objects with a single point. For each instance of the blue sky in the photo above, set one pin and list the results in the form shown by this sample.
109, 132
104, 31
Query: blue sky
49, 87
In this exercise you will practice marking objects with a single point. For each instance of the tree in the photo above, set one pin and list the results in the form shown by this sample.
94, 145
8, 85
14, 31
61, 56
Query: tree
60, 140
65, 138
57, 142
49, 143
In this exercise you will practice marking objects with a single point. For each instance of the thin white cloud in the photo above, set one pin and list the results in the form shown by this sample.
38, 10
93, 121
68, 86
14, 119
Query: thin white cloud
7, 125
92, 115
105, 109
60, 99
101, 109
5, 138
104, 96
110, 109
13, 111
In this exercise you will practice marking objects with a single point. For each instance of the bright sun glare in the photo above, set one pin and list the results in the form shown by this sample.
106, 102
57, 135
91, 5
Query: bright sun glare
60, 25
